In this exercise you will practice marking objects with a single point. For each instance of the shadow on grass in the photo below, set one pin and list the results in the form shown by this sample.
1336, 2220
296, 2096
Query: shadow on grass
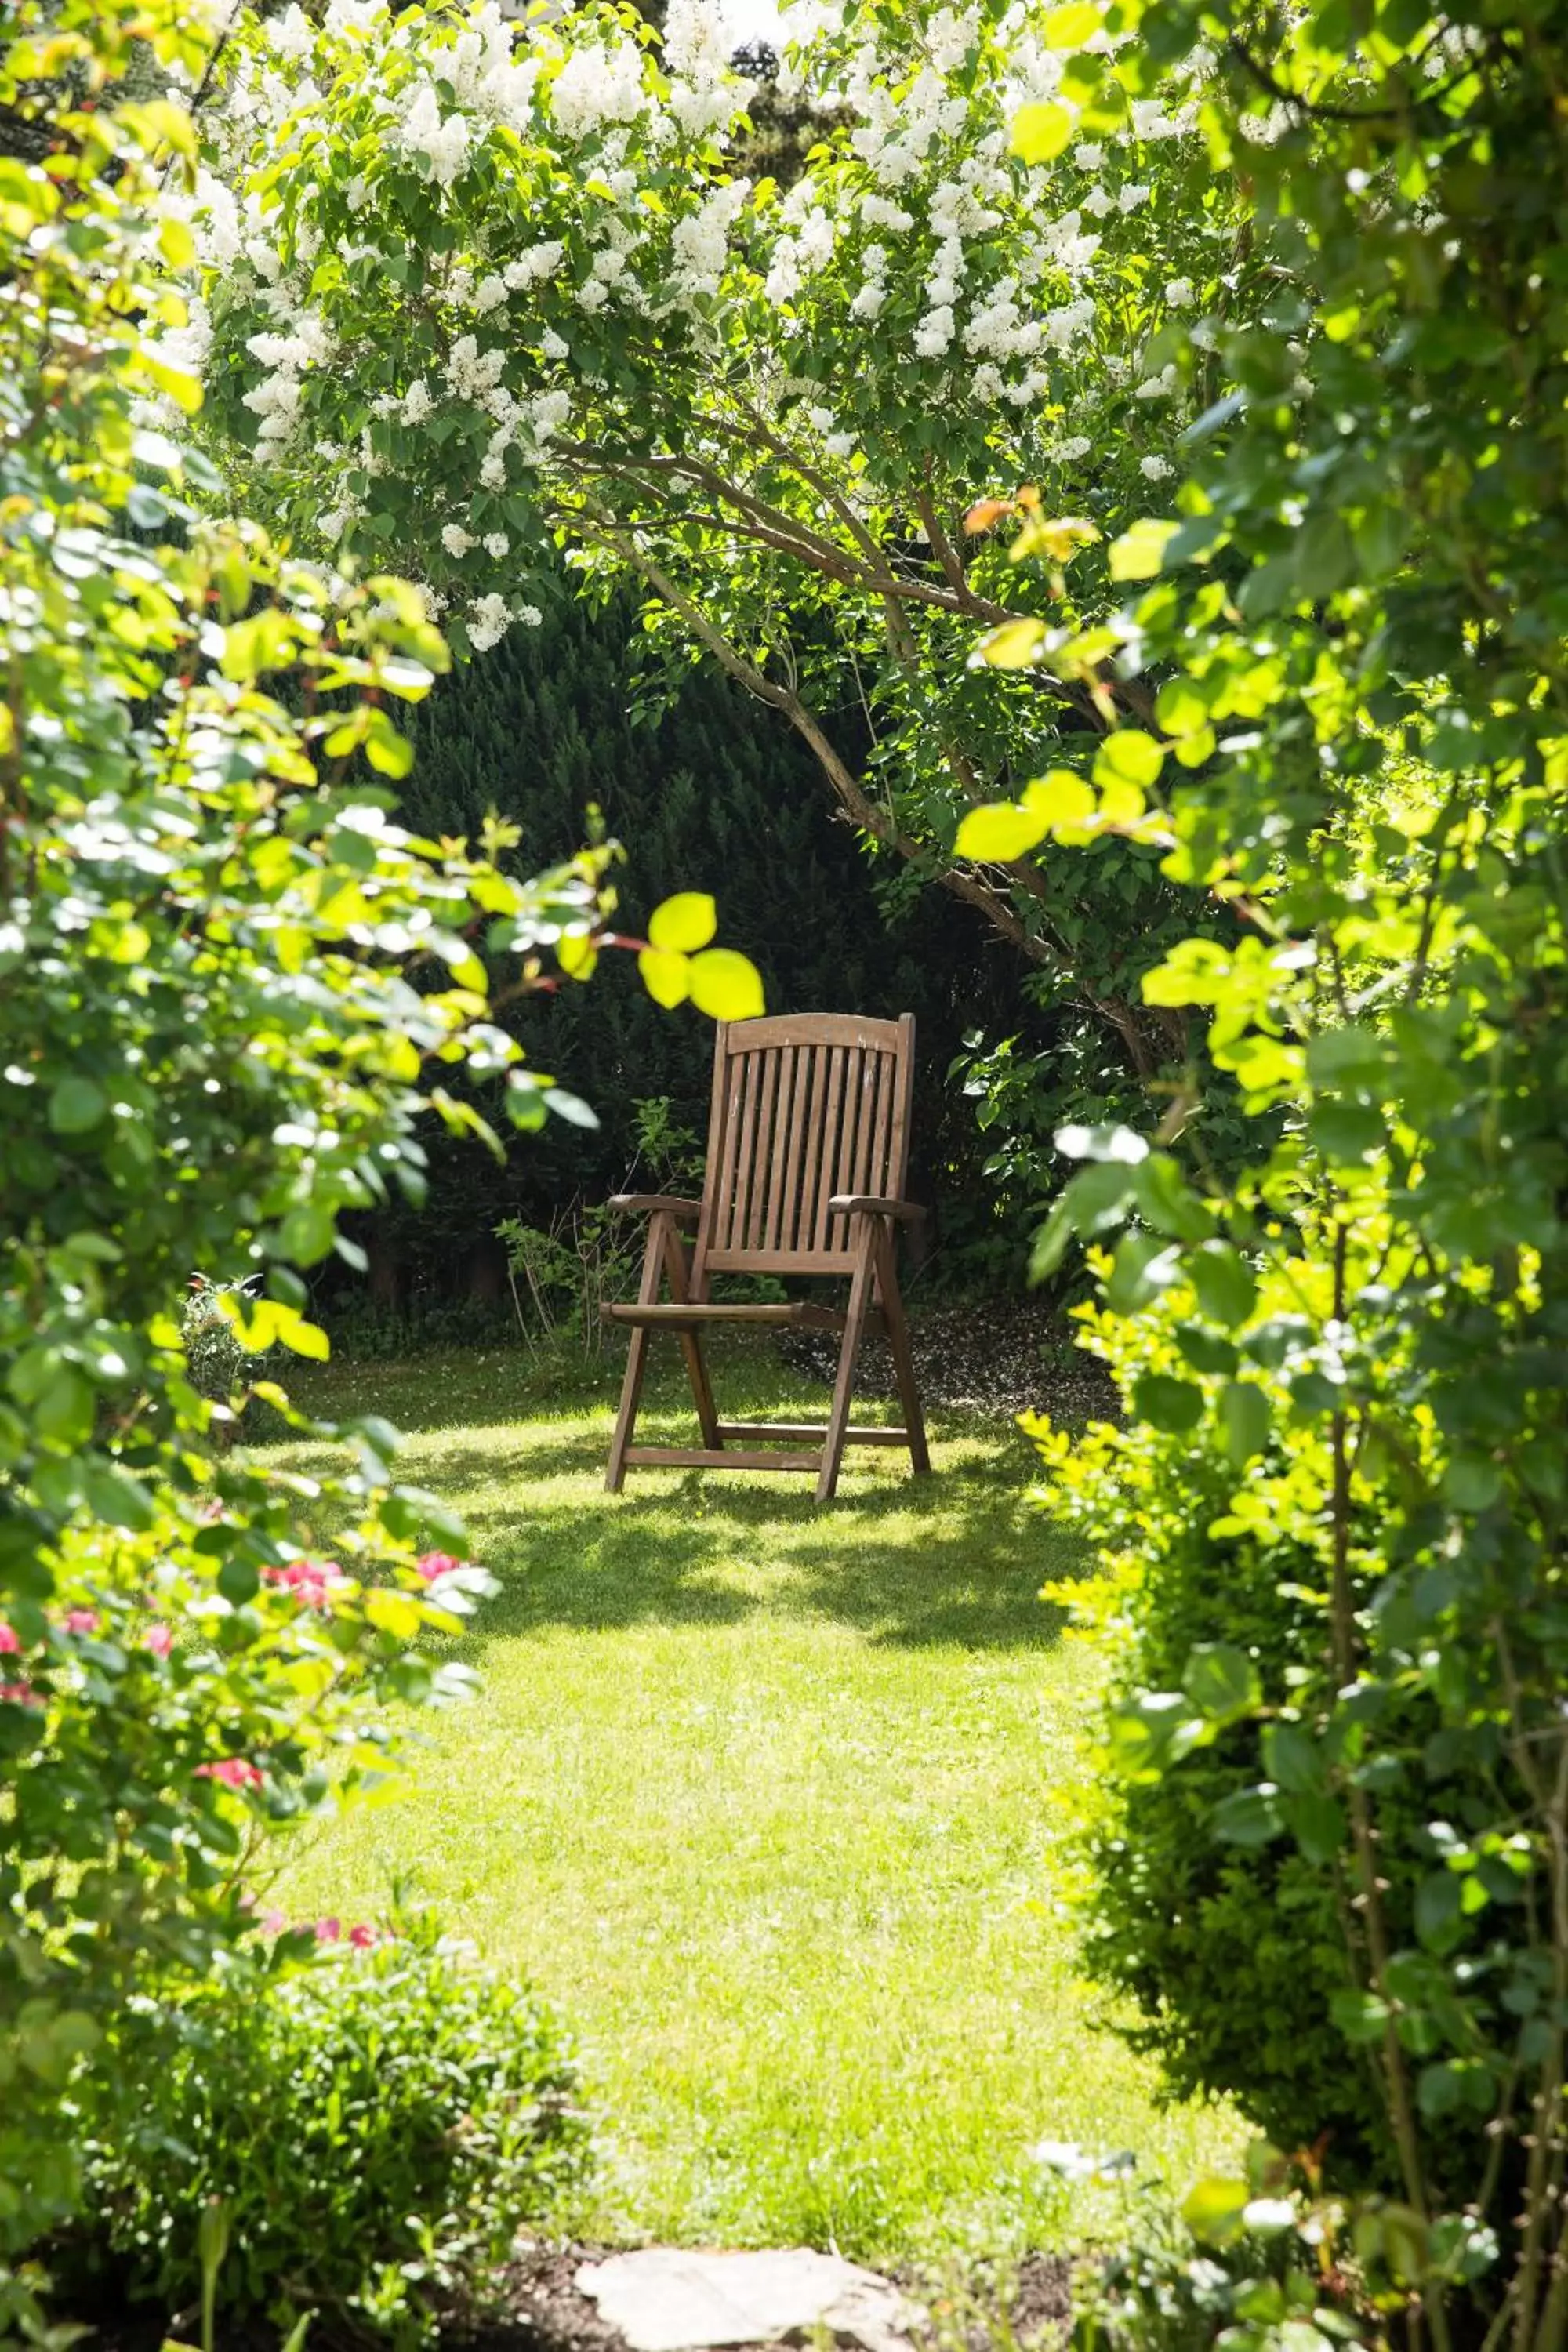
955, 1558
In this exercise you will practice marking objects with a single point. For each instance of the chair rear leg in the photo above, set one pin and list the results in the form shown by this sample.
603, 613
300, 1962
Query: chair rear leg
660, 1233
701, 1391
843, 1386
892, 1307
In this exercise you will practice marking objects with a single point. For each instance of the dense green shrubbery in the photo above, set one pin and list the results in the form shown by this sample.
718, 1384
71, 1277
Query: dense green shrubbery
1232, 1953
377, 2124
236, 995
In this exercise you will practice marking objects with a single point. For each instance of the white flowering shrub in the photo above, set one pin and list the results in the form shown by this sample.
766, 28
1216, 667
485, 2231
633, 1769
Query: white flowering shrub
476, 290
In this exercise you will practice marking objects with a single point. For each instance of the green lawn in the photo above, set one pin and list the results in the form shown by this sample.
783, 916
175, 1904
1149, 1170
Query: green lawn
759, 1794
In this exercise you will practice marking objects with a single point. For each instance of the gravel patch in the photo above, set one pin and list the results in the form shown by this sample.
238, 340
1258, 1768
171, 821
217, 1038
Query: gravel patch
1003, 1355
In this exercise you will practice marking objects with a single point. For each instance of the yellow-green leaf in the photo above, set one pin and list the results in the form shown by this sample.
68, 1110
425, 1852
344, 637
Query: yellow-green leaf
1061, 801
1128, 757
999, 830
176, 243
684, 923
393, 1612
577, 955
1070, 26
725, 985
263, 1323
1040, 132
183, 390
1139, 552
1017, 645
665, 976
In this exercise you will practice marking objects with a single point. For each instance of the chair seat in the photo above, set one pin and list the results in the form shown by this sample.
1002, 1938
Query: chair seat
689, 1315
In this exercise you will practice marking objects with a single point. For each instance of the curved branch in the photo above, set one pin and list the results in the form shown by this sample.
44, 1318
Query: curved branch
963, 882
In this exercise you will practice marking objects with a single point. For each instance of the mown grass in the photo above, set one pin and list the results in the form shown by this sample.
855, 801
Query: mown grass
760, 1796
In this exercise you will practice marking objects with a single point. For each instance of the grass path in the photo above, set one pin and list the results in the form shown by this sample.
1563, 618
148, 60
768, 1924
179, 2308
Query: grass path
758, 1794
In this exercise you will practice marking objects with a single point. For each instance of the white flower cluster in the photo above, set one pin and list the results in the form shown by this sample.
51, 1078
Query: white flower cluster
427, 136
488, 619
994, 272
276, 398
703, 92
598, 84
699, 242
807, 244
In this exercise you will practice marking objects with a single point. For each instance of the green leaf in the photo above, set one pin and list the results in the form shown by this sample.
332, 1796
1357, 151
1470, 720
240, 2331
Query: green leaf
1138, 554
1245, 1417
1222, 1682
665, 976
1293, 1758
1348, 1056
1015, 645
1070, 27
76, 1104
1437, 1913
1205, 1351
1144, 1266
1470, 1483
1166, 1403
1061, 798
1224, 1283
1181, 707
1249, 1818
1360, 2015
570, 1107
1317, 1822
1213, 2209
1348, 1133
683, 924
999, 832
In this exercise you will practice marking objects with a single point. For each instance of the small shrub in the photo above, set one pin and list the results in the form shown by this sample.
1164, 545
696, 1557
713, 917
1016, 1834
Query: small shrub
377, 2125
1244, 2264
219, 1360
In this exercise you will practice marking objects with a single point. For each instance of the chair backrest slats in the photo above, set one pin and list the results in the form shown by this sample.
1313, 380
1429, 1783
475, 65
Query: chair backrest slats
827, 1173
797, 1062
803, 1108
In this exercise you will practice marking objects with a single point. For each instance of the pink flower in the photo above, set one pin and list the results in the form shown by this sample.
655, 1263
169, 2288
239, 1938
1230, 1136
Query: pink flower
233, 1771
311, 1580
10, 1642
434, 1564
362, 1938
81, 1620
160, 1640
329, 1931
273, 1923
21, 1695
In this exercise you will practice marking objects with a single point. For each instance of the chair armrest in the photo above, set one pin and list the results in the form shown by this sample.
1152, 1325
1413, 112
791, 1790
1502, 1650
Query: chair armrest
844, 1204
648, 1204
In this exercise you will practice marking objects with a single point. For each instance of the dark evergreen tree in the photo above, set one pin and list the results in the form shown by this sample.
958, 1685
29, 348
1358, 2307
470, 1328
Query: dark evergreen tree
708, 791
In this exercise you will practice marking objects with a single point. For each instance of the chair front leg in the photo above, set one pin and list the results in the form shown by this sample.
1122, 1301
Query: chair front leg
660, 1232
861, 1287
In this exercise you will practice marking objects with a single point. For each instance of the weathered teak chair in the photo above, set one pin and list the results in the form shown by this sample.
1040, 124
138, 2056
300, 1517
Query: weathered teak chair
808, 1141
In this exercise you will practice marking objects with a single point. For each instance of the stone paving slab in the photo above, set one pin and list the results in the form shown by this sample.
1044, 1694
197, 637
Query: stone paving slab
675, 2299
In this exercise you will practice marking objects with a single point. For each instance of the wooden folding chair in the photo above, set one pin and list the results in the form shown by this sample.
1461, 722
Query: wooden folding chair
808, 1141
